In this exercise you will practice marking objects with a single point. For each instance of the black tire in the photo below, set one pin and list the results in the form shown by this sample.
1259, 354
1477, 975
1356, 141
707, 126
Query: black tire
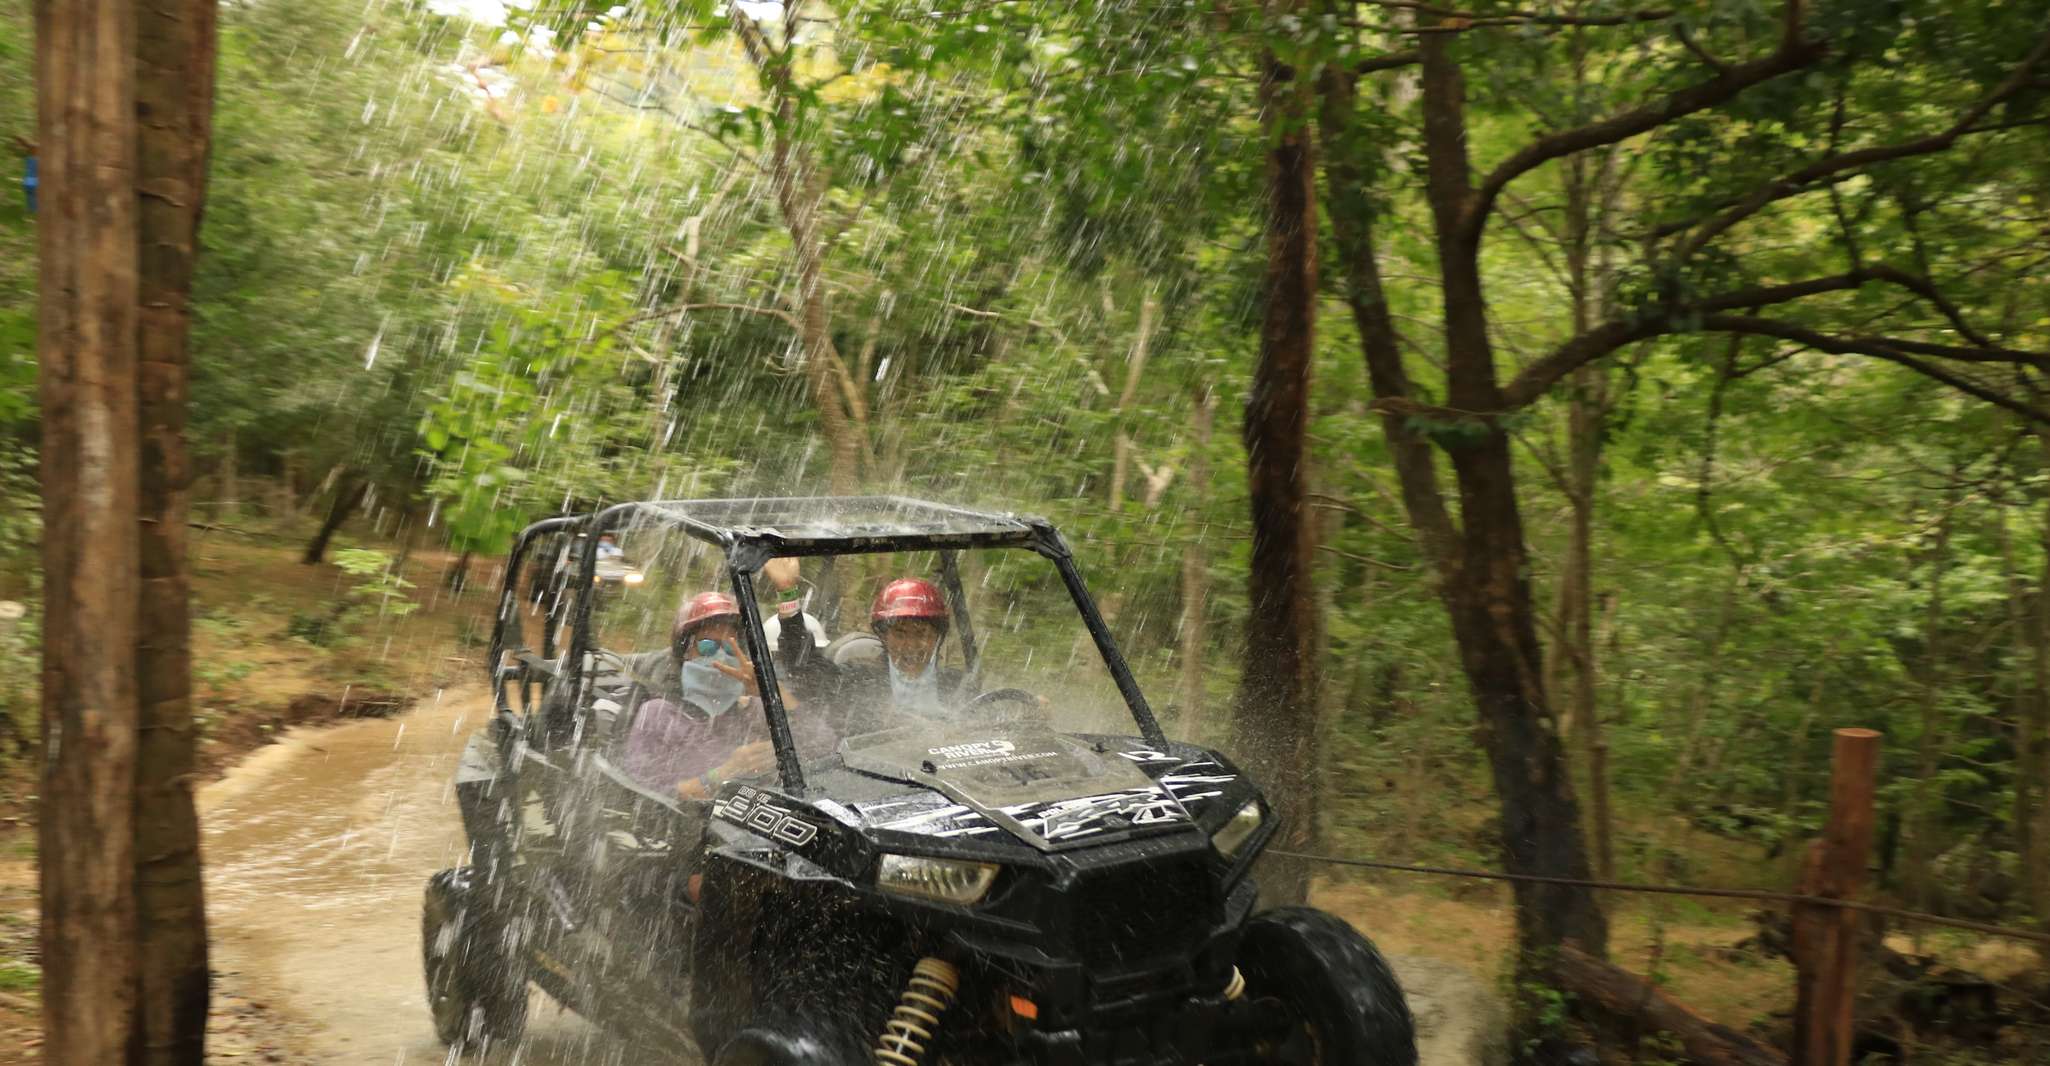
476, 984
785, 1045
1332, 980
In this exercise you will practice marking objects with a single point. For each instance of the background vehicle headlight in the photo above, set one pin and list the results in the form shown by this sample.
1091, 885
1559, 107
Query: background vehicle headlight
946, 880
634, 577
1232, 835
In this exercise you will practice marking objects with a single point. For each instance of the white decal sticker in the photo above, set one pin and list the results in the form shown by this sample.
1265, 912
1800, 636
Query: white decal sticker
753, 810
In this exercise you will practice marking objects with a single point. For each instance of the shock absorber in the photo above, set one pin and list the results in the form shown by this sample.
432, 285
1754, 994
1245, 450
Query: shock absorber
916, 1017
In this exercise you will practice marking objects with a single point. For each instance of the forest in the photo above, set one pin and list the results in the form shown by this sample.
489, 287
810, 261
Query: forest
1521, 433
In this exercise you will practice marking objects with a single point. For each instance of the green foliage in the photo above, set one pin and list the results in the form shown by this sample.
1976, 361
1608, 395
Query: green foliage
535, 391
317, 628
379, 590
20, 976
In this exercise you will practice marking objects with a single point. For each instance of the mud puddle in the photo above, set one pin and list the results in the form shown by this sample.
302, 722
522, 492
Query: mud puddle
317, 849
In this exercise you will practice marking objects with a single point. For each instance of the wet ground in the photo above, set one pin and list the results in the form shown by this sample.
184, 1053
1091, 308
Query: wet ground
317, 849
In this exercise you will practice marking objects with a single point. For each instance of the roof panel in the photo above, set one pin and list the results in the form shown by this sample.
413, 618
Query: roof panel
839, 518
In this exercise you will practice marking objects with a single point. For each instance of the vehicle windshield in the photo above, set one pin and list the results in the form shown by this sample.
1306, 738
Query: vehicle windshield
935, 641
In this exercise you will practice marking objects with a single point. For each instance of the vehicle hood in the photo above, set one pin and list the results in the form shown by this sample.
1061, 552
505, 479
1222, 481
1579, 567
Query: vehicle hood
1047, 789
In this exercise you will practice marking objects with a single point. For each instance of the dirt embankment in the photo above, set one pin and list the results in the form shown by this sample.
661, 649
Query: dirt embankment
253, 728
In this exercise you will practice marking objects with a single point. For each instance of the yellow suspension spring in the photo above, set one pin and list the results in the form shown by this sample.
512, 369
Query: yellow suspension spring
917, 1015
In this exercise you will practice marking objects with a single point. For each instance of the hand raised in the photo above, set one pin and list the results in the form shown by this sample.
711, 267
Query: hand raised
781, 572
743, 673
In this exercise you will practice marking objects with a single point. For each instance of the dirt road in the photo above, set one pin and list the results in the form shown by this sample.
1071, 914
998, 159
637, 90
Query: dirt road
317, 848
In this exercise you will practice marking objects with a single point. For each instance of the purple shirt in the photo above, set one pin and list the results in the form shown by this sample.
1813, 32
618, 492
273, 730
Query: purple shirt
670, 743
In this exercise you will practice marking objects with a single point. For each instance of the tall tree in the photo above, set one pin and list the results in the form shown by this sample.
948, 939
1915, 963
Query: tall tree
124, 118
86, 355
799, 183
1274, 717
174, 93
1701, 269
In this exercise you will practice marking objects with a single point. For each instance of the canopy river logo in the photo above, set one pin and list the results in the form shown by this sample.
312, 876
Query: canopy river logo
979, 749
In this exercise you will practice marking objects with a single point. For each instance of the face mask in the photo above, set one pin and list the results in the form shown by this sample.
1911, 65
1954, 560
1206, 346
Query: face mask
921, 694
709, 690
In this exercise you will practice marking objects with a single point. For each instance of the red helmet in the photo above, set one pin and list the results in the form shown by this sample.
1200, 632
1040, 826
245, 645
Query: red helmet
699, 609
908, 597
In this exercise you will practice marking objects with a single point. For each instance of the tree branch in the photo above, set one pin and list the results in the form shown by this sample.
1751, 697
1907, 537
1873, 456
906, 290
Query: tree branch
1968, 387
1358, 558
1687, 41
1926, 289
678, 309
1868, 345
1455, 20
1798, 181
1391, 61
1877, 348
1792, 54
1457, 25
1538, 378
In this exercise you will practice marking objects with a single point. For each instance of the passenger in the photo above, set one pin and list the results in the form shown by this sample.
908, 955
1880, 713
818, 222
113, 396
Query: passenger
707, 728
608, 548
909, 616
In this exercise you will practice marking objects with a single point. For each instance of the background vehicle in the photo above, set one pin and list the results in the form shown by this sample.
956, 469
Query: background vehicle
1018, 881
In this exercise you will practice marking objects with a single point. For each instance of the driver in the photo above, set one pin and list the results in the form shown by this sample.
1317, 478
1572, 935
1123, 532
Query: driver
706, 727
909, 617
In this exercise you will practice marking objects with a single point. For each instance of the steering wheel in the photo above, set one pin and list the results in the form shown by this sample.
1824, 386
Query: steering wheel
1003, 695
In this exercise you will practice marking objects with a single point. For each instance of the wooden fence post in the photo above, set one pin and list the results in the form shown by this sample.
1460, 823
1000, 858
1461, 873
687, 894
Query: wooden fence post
1825, 937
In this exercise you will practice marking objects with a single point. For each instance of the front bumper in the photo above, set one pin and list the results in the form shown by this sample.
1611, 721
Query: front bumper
1211, 1031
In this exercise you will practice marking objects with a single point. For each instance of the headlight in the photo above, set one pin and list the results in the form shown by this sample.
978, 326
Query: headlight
1232, 835
946, 880
633, 577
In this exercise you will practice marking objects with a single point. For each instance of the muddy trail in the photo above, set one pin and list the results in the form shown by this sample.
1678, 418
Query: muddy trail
317, 849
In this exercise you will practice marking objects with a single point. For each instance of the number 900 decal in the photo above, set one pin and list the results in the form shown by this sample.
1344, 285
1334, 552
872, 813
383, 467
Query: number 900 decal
753, 810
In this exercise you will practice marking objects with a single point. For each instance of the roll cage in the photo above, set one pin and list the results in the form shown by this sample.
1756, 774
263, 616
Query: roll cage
750, 532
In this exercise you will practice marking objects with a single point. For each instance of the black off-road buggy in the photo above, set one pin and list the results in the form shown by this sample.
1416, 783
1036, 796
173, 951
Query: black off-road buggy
1013, 882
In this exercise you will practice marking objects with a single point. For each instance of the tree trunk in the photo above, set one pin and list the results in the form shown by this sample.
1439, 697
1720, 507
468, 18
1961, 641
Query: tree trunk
287, 498
347, 499
1594, 746
1629, 1004
2022, 817
795, 179
1701, 702
2036, 872
1587, 414
1195, 635
1818, 691
1925, 816
1480, 570
1493, 619
1121, 459
458, 574
174, 92
91, 459
1576, 622
227, 482
1274, 716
